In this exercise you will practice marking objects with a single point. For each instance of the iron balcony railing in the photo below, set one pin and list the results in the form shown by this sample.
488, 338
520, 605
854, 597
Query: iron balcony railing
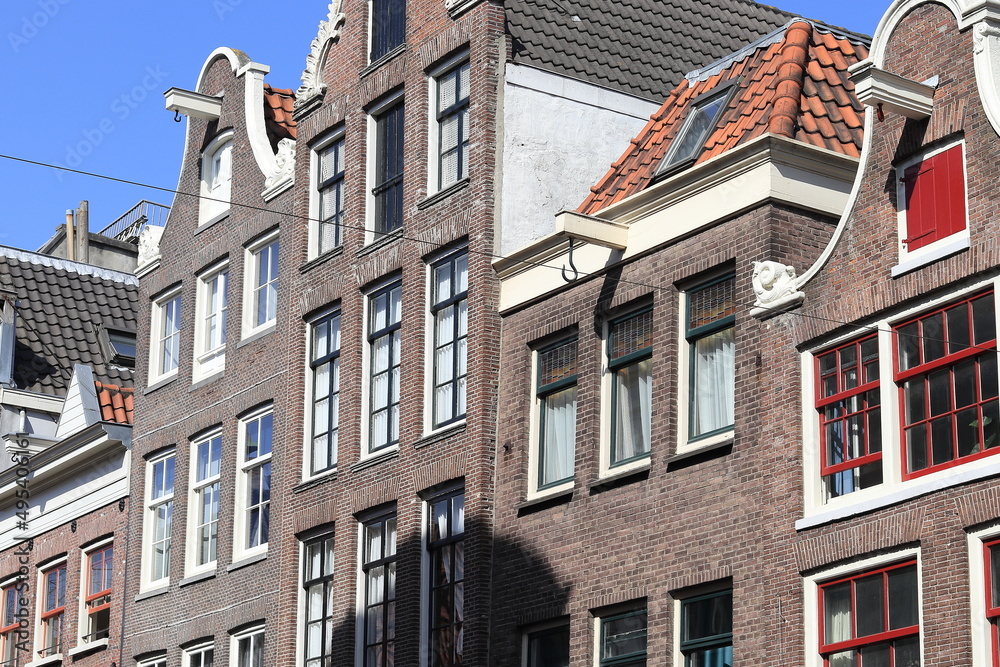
128, 226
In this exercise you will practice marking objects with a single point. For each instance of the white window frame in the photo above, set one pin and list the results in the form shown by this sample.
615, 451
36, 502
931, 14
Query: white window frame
310, 382
447, 491
215, 199
64, 639
811, 585
158, 661
327, 532
159, 336
361, 599
195, 489
371, 145
817, 508
208, 360
201, 649
368, 365
150, 505
982, 656
83, 624
434, 183
241, 535
943, 247
535, 444
608, 413
251, 275
430, 365
252, 634
315, 210
685, 444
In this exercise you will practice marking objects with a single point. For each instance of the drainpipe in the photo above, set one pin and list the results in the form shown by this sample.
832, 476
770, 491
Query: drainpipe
69, 234
83, 232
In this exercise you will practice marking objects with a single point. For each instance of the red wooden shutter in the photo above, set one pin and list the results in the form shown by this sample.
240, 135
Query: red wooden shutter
935, 198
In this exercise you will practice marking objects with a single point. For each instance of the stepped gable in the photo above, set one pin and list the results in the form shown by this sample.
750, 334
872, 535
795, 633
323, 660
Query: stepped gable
793, 83
61, 306
640, 47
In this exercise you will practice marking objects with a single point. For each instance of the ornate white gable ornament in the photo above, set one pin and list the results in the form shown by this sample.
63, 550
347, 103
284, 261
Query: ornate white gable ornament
149, 248
775, 285
284, 173
329, 30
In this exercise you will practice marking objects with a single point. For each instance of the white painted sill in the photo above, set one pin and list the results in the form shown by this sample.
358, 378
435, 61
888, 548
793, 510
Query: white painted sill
88, 647
704, 444
938, 251
48, 660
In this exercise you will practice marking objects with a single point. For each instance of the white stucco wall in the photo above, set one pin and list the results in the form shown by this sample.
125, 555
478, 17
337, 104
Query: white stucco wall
560, 136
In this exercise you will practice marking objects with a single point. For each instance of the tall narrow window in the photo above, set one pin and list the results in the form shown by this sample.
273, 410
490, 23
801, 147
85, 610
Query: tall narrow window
264, 273
249, 648
257, 434
453, 125
947, 376
932, 200
317, 580
166, 333
630, 361
330, 191
325, 365
623, 640
710, 333
446, 554
388, 182
384, 318
992, 553
200, 656
53, 610
548, 647
707, 629
557, 413
849, 404
205, 489
100, 569
10, 615
871, 618
216, 179
450, 309
160, 512
212, 319
378, 567
388, 25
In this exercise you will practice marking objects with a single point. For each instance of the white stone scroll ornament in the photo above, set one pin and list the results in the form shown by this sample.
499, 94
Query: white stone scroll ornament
329, 30
282, 177
986, 58
776, 288
149, 246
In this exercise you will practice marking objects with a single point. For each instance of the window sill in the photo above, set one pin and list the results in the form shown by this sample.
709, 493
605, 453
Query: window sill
321, 259
89, 647
317, 480
919, 258
375, 459
622, 478
259, 333
208, 379
156, 592
160, 382
708, 446
440, 435
903, 492
47, 660
211, 222
544, 502
381, 241
249, 560
195, 578
382, 60
443, 194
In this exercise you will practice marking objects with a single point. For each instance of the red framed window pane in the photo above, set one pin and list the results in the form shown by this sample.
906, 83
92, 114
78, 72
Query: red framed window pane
9, 608
992, 561
934, 191
946, 371
98, 599
871, 618
53, 609
849, 403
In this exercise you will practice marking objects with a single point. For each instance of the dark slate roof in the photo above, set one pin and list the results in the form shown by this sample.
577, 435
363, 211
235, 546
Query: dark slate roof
61, 308
641, 47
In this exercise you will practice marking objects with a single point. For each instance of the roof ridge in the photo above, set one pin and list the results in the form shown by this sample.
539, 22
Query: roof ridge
788, 87
68, 265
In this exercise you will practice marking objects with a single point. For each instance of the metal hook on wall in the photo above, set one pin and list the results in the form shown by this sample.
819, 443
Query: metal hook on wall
576, 273
177, 116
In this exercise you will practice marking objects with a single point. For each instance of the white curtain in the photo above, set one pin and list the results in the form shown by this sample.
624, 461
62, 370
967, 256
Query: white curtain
633, 412
559, 445
713, 393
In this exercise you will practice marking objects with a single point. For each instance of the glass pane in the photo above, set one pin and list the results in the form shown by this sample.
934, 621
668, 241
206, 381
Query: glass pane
870, 605
557, 363
958, 328
914, 399
995, 574
633, 394
875, 656
965, 383
712, 382
903, 607
909, 349
942, 444
932, 332
916, 447
549, 648
559, 436
711, 303
983, 319
624, 635
708, 617
988, 375
907, 652
837, 613
939, 385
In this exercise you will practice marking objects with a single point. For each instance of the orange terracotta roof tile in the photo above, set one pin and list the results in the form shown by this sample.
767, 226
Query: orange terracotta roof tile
278, 105
117, 403
794, 83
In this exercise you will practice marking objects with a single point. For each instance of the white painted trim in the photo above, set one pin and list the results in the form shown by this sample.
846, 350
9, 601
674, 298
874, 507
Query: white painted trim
812, 582
146, 583
234, 643
308, 382
314, 177
194, 510
371, 151
328, 32
251, 271
429, 341
433, 126
892, 93
214, 205
198, 648
156, 350
980, 627
535, 432
193, 104
240, 529
207, 363
84, 579
366, 364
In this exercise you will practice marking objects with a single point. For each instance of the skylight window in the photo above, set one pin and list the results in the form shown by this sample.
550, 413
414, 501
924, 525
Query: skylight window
694, 132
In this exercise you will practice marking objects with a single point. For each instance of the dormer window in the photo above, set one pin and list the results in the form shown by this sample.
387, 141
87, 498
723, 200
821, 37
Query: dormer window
700, 122
216, 179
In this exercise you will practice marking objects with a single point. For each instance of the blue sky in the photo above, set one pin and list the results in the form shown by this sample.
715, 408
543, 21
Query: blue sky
85, 90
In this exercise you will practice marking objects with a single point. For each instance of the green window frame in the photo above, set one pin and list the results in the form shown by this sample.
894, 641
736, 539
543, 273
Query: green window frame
710, 320
630, 353
707, 629
556, 393
623, 639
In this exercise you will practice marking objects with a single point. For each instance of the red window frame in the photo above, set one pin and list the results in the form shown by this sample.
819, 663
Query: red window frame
934, 328
991, 552
887, 636
8, 638
840, 376
53, 615
99, 600
934, 197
